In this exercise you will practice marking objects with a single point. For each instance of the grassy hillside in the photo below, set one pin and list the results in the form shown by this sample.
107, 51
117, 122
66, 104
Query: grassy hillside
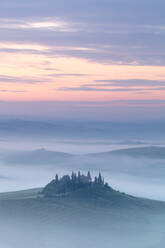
18, 195
98, 215
88, 203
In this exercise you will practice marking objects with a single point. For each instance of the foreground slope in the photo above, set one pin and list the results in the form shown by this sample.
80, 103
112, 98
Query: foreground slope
97, 215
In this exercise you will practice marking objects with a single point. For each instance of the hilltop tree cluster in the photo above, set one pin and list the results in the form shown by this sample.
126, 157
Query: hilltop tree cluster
71, 183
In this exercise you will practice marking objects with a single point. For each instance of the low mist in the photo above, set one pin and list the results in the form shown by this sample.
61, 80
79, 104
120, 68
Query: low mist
23, 165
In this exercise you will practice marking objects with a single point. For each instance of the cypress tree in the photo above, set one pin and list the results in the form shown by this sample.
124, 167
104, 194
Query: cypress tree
96, 180
100, 181
89, 175
56, 178
72, 176
79, 177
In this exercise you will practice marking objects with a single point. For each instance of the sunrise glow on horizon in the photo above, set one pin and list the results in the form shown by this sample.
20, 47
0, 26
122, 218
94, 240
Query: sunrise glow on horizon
63, 57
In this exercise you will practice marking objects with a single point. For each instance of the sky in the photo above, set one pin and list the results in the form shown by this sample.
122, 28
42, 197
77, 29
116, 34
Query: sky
95, 59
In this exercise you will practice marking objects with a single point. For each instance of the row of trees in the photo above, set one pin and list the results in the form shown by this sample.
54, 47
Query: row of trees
80, 178
71, 183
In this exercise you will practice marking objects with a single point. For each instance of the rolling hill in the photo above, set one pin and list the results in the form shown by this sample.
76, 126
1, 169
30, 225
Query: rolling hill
153, 152
98, 216
38, 157
43, 156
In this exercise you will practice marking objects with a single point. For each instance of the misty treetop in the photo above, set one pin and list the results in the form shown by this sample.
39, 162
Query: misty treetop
68, 183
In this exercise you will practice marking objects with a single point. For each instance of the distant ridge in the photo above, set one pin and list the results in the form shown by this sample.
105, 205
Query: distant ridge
40, 156
84, 130
43, 156
154, 152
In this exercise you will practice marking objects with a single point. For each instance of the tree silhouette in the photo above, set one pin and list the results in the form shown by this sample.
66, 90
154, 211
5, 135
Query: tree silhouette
100, 181
72, 183
56, 178
89, 175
